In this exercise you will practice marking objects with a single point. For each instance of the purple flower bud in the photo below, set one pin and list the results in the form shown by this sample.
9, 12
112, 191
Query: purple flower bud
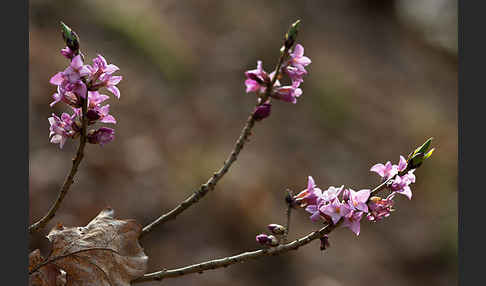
268, 240
262, 111
324, 242
68, 53
263, 239
93, 115
101, 136
276, 228
346, 195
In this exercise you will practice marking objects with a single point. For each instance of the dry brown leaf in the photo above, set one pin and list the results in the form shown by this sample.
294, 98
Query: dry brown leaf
48, 275
105, 252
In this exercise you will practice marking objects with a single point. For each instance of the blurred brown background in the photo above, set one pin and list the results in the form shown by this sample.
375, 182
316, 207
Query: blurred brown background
383, 79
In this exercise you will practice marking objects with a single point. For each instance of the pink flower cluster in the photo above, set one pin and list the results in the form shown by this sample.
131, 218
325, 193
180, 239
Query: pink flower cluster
73, 84
339, 203
258, 80
401, 184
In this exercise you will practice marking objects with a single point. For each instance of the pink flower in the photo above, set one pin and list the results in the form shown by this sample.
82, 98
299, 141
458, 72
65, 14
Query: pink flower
402, 164
62, 128
310, 195
110, 81
257, 79
70, 87
380, 208
96, 111
401, 184
296, 74
287, 93
297, 58
101, 75
388, 170
100, 66
357, 200
335, 210
72, 73
314, 211
351, 220
331, 193
385, 171
69, 93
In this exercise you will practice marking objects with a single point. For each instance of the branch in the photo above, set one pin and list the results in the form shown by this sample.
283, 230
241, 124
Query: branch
240, 143
70, 178
227, 261
224, 262
48, 261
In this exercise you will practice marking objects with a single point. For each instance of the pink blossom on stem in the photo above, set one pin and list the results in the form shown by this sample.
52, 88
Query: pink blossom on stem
380, 208
72, 73
401, 184
331, 193
257, 79
96, 111
297, 58
385, 171
288, 93
335, 210
296, 75
62, 128
402, 164
310, 195
357, 200
101, 75
351, 220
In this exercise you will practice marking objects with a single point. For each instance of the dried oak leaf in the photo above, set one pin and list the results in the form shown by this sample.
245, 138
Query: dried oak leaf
105, 252
48, 275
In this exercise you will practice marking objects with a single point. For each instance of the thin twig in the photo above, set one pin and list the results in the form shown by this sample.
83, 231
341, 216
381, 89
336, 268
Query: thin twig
227, 261
70, 177
224, 262
51, 260
289, 201
211, 183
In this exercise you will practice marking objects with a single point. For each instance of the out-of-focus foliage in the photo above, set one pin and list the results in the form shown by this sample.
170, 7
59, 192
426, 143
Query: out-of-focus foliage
376, 88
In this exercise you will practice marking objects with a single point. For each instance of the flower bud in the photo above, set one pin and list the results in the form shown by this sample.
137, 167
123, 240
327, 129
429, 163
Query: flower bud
71, 38
93, 115
324, 242
101, 136
276, 229
291, 35
68, 53
419, 155
346, 195
262, 239
268, 240
262, 111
